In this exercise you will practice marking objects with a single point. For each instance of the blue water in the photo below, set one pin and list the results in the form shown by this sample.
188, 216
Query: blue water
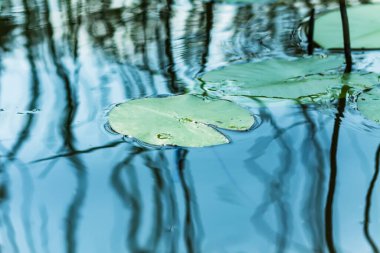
68, 184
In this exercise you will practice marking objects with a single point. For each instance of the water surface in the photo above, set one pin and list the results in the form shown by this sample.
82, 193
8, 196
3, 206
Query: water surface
67, 184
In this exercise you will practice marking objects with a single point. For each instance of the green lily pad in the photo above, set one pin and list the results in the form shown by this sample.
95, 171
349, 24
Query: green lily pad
364, 23
179, 120
247, 1
253, 1
283, 78
369, 104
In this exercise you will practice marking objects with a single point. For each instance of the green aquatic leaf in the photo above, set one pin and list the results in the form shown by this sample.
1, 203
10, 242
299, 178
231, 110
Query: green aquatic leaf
364, 23
254, 1
276, 78
247, 1
179, 120
369, 104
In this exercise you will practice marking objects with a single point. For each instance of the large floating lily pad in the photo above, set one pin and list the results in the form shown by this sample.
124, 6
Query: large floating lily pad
369, 104
179, 120
283, 78
364, 25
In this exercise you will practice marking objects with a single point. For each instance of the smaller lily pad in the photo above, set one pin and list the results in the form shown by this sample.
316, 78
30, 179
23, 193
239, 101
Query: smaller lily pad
179, 120
369, 104
279, 78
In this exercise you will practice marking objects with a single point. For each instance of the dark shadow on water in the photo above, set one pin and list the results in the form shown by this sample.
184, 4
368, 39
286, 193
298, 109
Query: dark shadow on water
7, 27
5, 220
276, 197
193, 231
209, 22
22, 138
170, 67
69, 100
44, 229
165, 212
314, 160
278, 202
368, 204
130, 196
276, 185
79, 152
166, 222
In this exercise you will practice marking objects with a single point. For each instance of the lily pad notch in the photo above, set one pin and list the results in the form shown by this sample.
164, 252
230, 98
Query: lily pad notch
184, 120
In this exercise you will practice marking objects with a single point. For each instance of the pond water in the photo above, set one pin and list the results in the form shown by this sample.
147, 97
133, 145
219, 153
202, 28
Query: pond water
68, 184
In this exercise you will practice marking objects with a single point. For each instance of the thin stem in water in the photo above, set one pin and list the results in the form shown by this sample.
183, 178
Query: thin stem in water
329, 208
310, 33
346, 35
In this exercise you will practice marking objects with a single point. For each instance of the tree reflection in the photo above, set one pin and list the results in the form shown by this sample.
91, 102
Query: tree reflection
165, 225
315, 161
192, 229
368, 204
275, 196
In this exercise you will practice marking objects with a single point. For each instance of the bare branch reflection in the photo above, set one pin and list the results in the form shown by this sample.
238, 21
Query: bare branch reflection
368, 204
